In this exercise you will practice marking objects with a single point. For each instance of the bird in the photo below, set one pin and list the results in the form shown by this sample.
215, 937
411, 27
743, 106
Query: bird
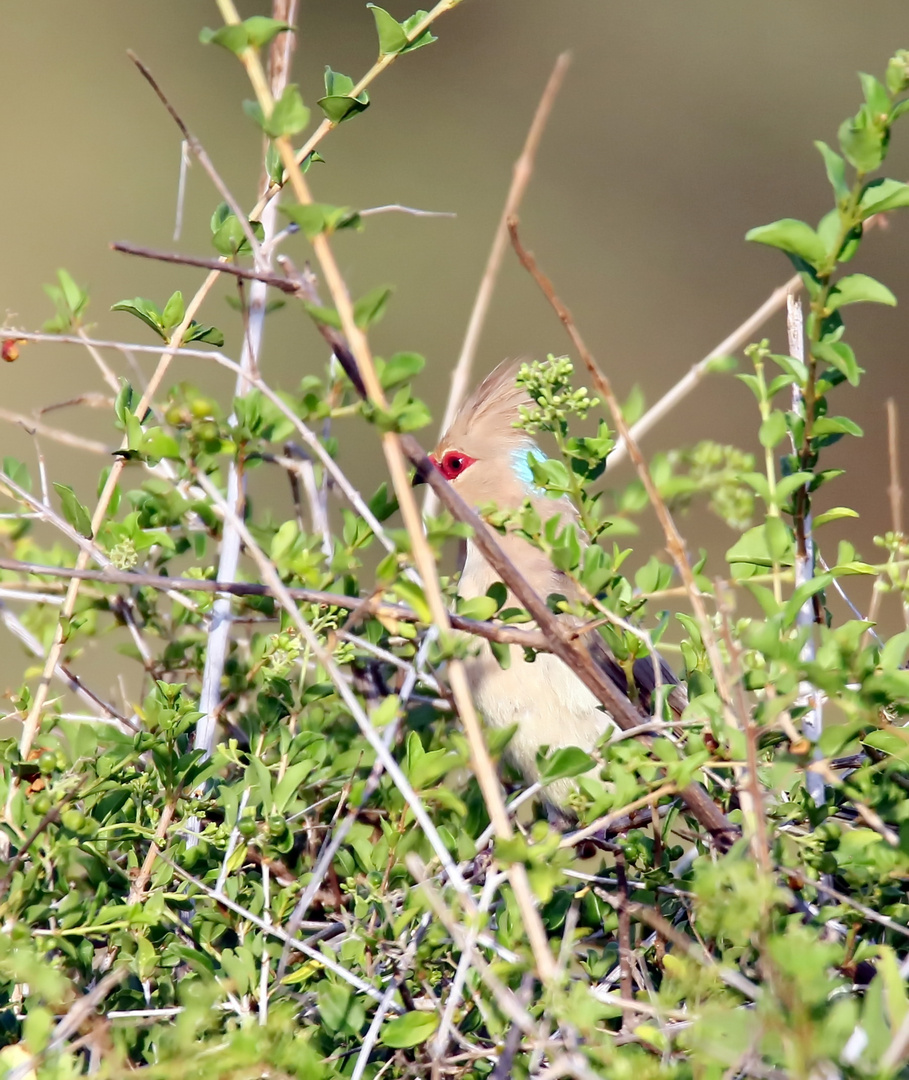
487, 459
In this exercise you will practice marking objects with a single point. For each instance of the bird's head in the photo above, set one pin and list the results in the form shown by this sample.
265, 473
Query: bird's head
482, 454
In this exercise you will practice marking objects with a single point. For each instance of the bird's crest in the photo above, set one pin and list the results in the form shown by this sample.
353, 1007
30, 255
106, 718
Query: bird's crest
491, 410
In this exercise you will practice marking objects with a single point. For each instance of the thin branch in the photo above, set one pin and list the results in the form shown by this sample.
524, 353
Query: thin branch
511, 635
229, 556
276, 281
523, 170
809, 613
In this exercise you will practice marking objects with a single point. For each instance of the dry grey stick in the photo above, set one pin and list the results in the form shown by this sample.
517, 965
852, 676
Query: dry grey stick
812, 720
229, 557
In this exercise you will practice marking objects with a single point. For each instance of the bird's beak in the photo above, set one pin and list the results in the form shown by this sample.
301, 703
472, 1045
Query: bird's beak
418, 477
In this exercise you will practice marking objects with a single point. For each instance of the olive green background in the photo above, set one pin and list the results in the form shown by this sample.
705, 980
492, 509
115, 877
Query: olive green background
680, 126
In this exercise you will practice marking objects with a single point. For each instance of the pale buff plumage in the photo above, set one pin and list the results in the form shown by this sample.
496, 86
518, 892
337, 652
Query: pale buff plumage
544, 698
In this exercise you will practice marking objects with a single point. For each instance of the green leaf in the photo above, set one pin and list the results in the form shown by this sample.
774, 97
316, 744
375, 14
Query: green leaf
146, 311
835, 513
751, 547
173, 312
836, 425
478, 607
338, 103
156, 443
317, 218
401, 368
804, 592
836, 170
17, 472
793, 236
289, 115
566, 762
234, 37
392, 36
883, 194
261, 30
862, 141
876, 96
411, 1029
228, 235
859, 288
198, 332
371, 307
772, 430
74, 512
410, 25
840, 356
778, 537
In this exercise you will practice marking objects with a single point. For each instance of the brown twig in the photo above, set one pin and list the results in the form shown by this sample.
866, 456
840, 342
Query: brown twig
523, 170
511, 635
276, 281
674, 543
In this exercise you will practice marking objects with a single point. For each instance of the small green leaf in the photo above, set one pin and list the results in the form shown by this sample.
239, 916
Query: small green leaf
793, 236
228, 235
156, 443
289, 116
883, 194
772, 430
341, 107
859, 288
17, 472
862, 141
261, 30
392, 36
840, 356
411, 1029
401, 368
146, 311
836, 170
234, 37
209, 334
371, 307
480, 608
338, 103
173, 312
835, 513
566, 762
316, 218
876, 96
778, 537
74, 512
410, 25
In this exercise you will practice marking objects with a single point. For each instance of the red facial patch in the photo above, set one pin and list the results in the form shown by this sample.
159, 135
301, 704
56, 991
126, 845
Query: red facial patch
453, 463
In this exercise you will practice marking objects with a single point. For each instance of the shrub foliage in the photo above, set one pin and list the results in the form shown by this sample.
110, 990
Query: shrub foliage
280, 859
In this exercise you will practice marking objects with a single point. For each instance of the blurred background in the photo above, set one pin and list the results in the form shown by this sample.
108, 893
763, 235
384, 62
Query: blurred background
679, 127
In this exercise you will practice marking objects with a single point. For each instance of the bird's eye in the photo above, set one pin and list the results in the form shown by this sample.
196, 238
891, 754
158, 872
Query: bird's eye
454, 463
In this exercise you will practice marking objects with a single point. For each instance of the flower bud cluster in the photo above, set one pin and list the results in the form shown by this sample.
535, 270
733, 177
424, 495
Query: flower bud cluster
549, 384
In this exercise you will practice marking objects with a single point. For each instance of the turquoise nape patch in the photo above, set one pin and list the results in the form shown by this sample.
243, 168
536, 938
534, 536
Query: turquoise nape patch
520, 462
